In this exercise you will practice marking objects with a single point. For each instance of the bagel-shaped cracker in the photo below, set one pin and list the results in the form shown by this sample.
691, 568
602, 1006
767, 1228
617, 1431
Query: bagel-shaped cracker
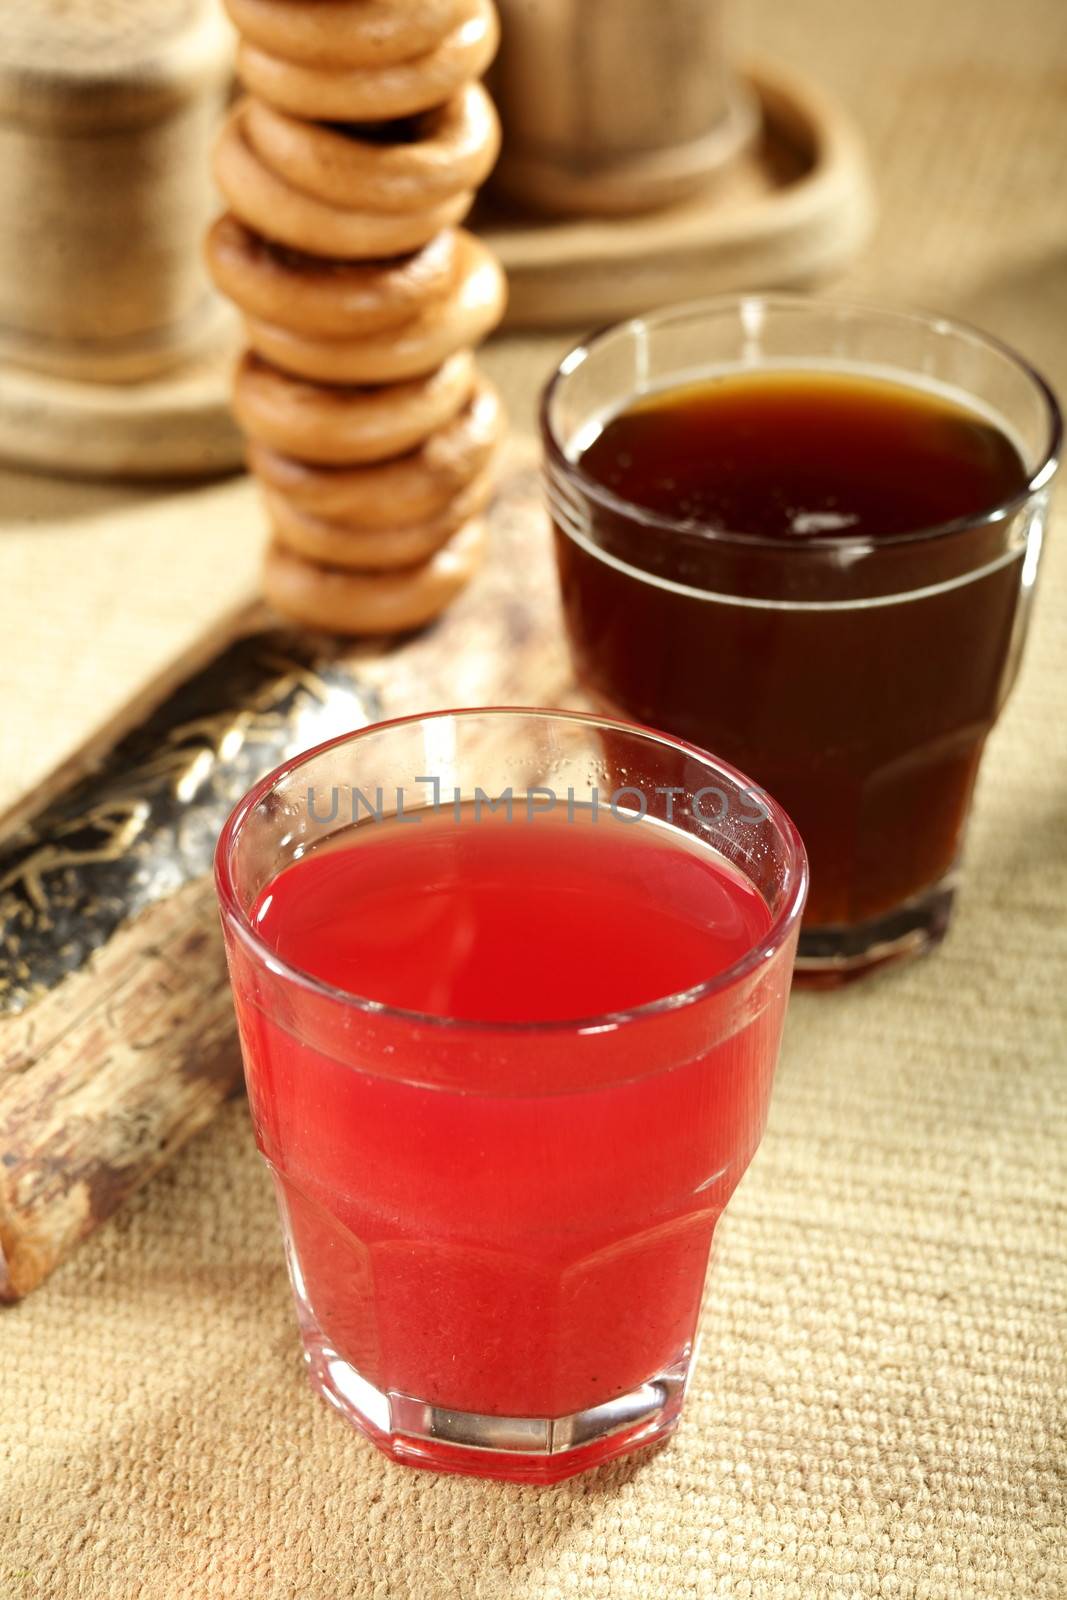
313, 296
333, 601
344, 425
273, 208
368, 33
451, 149
416, 487
374, 94
332, 544
459, 321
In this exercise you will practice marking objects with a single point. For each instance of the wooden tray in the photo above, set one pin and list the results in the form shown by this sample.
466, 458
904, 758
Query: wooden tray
795, 209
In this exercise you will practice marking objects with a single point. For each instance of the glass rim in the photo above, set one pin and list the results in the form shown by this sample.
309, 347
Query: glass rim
795, 884
683, 311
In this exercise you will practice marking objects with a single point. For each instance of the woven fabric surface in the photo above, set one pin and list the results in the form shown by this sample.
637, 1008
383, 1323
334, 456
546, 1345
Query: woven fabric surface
879, 1406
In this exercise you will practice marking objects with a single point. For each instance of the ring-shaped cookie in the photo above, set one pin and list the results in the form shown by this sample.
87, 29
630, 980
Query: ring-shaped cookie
318, 297
332, 544
342, 426
271, 207
333, 601
374, 94
416, 487
452, 149
369, 33
459, 321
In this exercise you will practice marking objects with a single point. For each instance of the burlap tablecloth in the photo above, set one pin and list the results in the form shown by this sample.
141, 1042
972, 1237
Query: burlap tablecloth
878, 1408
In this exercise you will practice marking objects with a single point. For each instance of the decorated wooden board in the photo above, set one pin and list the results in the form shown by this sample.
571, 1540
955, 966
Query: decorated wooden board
116, 1028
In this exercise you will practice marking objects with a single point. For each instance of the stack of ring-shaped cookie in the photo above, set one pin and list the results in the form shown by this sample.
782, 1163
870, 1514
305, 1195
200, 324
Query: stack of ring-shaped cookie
347, 170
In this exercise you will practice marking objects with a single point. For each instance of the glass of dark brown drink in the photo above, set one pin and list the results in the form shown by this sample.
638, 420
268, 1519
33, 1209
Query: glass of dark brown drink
806, 536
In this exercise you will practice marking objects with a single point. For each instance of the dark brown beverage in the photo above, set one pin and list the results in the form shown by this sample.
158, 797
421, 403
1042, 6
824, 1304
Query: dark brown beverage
803, 455
815, 590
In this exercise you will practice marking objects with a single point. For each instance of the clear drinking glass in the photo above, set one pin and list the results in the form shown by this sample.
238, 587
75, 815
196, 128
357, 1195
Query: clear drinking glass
498, 1231
856, 679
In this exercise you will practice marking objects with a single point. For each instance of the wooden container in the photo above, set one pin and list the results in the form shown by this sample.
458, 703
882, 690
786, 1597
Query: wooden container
612, 107
107, 112
792, 209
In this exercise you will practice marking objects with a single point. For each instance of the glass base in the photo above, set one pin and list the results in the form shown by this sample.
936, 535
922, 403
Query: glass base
516, 1449
829, 957
420, 1433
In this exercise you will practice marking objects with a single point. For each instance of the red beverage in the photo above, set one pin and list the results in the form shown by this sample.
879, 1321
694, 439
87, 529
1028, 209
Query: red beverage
546, 919
507, 1070
506, 922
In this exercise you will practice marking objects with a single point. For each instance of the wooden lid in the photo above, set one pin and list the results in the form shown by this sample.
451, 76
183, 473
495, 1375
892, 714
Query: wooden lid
71, 65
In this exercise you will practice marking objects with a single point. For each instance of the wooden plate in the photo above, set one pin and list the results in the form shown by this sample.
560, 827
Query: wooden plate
795, 209
175, 426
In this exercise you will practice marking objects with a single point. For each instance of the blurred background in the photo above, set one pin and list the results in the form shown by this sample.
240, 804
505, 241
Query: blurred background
961, 114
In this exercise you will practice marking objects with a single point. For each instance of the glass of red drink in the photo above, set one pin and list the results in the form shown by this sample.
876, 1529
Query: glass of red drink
510, 987
806, 536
